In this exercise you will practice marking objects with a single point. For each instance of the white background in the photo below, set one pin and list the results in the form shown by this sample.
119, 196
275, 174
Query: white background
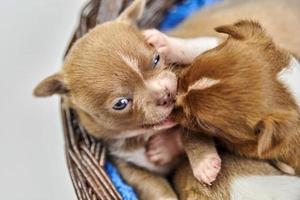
34, 35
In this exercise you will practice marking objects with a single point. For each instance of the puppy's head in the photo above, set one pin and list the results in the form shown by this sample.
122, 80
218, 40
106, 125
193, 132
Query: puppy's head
115, 80
222, 91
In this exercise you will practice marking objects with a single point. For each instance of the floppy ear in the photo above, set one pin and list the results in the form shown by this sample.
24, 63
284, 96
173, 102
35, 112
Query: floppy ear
231, 30
54, 84
266, 140
274, 129
133, 13
241, 30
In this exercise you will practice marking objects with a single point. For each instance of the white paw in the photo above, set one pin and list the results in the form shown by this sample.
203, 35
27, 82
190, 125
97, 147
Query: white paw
158, 152
158, 40
208, 169
164, 147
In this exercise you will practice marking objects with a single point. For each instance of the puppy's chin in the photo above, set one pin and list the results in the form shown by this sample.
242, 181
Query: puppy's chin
166, 123
147, 129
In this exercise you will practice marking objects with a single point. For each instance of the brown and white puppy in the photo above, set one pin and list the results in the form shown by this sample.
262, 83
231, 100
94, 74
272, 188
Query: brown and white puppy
245, 93
241, 178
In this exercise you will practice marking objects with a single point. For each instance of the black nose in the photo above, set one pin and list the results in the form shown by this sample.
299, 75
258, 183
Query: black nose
166, 100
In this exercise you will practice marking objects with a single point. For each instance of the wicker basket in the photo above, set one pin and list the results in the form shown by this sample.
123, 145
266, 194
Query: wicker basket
85, 155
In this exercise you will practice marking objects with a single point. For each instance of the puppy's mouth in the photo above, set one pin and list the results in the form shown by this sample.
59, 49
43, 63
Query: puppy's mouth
166, 123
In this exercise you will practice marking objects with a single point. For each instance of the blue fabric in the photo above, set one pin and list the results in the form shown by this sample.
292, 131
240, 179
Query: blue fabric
125, 190
181, 11
174, 16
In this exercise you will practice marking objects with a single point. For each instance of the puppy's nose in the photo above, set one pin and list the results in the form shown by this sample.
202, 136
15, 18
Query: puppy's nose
166, 99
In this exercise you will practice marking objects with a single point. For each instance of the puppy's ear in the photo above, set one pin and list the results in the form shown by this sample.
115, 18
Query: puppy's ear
133, 13
266, 140
241, 30
54, 84
231, 30
274, 129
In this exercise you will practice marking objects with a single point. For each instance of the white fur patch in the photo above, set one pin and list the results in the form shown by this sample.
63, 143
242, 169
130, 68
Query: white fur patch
202, 44
290, 77
132, 63
203, 83
266, 188
137, 157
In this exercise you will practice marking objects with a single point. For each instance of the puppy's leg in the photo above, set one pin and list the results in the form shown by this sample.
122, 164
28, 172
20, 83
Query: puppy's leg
163, 148
148, 186
176, 50
235, 171
203, 156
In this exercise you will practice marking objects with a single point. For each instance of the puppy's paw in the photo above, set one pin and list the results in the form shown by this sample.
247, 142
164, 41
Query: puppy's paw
163, 148
284, 167
158, 40
159, 156
207, 170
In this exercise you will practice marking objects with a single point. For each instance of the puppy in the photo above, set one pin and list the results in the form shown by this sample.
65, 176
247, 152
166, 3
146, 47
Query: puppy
244, 92
240, 176
123, 93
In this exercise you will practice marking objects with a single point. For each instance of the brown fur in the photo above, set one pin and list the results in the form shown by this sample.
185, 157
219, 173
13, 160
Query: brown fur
249, 110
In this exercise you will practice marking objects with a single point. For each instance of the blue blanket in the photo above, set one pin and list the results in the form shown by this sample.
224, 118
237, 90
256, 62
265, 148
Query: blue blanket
183, 10
173, 17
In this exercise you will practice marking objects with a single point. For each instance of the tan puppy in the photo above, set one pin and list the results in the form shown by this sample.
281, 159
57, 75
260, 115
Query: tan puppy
245, 93
123, 93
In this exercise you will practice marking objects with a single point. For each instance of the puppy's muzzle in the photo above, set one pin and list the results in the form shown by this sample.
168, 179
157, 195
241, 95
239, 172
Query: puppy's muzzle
166, 99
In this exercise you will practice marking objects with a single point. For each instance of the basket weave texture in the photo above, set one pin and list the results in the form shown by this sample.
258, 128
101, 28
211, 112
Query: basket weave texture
84, 154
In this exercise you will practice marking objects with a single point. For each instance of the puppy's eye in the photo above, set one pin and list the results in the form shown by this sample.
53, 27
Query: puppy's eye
155, 60
121, 104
